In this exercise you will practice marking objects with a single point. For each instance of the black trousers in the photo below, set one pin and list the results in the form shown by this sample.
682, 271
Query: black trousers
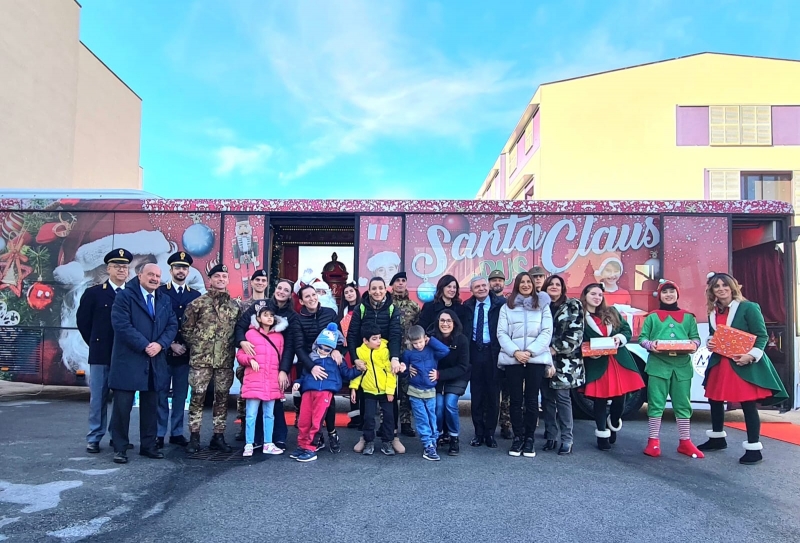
484, 391
386, 431
524, 382
121, 419
752, 421
615, 411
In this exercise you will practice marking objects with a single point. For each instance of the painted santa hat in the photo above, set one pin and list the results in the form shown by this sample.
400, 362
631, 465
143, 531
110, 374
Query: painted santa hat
608, 261
666, 283
383, 260
321, 285
306, 279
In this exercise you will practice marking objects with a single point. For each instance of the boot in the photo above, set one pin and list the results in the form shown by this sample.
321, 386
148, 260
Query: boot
602, 439
359, 447
454, 448
194, 443
716, 441
218, 444
407, 430
752, 454
654, 448
240, 433
686, 447
398, 447
613, 437
506, 433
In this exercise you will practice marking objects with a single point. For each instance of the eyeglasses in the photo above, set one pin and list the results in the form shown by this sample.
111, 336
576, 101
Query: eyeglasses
445, 321
118, 266
325, 349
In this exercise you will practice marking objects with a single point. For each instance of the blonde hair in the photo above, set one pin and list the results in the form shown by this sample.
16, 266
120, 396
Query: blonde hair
728, 281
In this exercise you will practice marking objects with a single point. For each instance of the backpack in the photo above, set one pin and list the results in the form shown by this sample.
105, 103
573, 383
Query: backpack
362, 309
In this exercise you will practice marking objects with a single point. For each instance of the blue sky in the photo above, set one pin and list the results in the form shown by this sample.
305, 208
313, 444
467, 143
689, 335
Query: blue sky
368, 99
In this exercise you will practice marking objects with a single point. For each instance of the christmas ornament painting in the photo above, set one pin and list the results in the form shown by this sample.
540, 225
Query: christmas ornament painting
40, 296
198, 239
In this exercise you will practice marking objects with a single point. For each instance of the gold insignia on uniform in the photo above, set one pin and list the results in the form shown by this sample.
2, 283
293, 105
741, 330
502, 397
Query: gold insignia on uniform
183, 256
122, 252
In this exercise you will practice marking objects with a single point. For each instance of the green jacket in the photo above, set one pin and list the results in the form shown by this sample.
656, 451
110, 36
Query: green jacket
661, 364
746, 316
596, 367
208, 328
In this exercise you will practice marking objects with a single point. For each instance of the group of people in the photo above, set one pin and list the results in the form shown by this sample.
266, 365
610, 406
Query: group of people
402, 363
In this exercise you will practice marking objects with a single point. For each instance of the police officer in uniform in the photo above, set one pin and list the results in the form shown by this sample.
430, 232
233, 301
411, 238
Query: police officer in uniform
94, 324
180, 294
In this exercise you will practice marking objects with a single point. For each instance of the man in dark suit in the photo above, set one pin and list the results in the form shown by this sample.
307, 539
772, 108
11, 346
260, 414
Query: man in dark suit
94, 324
180, 294
144, 327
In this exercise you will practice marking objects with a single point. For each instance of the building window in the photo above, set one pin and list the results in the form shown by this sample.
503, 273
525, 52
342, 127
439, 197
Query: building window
740, 125
527, 192
770, 186
511, 157
529, 135
723, 185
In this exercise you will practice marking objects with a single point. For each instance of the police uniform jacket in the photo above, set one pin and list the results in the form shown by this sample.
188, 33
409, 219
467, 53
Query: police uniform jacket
94, 321
179, 303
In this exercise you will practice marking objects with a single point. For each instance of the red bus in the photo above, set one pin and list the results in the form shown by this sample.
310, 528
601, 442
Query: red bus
51, 250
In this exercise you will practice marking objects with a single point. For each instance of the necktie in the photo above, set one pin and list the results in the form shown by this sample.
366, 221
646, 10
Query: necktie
150, 307
479, 326
116, 290
180, 290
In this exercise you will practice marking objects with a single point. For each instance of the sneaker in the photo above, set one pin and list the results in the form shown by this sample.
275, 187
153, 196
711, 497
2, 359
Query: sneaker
319, 443
307, 456
527, 448
297, 452
430, 453
454, 449
248, 450
516, 447
386, 448
369, 448
270, 448
333, 442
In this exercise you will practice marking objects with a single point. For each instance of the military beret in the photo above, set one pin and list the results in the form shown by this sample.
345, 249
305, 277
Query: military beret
398, 275
536, 270
497, 274
259, 273
118, 256
180, 259
219, 268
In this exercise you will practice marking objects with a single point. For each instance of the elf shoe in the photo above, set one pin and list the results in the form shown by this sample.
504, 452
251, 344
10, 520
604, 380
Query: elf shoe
686, 447
602, 439
653, 448
752, 454
716, 441
614, 429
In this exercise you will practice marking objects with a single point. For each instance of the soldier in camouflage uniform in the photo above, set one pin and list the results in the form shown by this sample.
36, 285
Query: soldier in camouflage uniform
497, 282
259, 282
208, 329
409, 315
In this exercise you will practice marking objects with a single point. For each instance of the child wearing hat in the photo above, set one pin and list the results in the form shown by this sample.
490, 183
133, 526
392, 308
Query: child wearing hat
317, 395
670, 374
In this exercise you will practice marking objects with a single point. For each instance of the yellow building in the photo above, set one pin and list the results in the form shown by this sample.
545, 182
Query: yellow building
706, 126
68, 122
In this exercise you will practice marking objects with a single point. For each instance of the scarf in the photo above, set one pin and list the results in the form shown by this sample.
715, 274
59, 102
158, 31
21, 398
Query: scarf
525, 302
668, 307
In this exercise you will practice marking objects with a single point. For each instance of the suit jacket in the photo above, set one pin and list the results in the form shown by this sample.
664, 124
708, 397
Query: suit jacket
495, 303
179, 303
134, 330
94, 321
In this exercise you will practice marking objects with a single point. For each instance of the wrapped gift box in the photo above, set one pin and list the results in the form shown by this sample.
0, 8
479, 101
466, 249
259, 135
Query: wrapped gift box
730, 342
599, 346
675, 346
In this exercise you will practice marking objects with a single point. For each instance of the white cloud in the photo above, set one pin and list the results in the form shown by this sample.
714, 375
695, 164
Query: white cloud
244, 160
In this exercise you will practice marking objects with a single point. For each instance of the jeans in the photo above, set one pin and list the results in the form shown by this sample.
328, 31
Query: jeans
557, 407
524, 382
386, 431
180, 389
424, 410
98, 402
447, 412
251, 410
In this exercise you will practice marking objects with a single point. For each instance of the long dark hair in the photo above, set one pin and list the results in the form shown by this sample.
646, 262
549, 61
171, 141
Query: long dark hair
608, 315
511, 302
344, 304
458, 328
549, 281
443, 282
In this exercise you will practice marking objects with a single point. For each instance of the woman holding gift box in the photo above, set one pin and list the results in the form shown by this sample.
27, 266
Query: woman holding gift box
745, 378
608, 377
670, 373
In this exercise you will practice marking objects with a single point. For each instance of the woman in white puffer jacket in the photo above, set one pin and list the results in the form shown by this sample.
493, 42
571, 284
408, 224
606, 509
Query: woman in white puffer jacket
524, 330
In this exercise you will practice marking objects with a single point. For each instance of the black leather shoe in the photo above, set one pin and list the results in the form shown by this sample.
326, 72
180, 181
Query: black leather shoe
93, 447
111, 444
565, 449
550, 445
152, 453
120, 458
178, 440
454, 448
476, 441
407, 430
506, 433
218, 444
159, 443
490, 441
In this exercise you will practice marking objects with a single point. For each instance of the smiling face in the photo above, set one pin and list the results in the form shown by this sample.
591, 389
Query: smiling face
450, 290
283, 291
117, 273
668, 295
497, 285
350, 295
446, 324
610, 274
594, 297
179, 273
259, 284
309, 298
480, 289
219, 281
525, 286
150, 277
722, 292
554, 289
377, 290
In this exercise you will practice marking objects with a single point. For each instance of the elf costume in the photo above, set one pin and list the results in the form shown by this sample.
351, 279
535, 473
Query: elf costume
726, 381
609, 377
670, 374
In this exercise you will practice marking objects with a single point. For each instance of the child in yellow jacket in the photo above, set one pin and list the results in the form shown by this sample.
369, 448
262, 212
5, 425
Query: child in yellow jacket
379, 385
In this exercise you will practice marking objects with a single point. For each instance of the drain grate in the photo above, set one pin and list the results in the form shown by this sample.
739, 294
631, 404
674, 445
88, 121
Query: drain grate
218, 456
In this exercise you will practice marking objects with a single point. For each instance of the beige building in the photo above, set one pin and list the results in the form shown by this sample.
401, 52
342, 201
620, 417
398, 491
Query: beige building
66, 120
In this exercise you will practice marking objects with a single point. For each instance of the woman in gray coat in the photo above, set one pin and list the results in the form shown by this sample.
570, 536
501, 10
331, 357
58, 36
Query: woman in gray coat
565, 347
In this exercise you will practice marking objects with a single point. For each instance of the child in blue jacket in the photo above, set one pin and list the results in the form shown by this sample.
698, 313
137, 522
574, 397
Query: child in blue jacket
424, 359
318, 393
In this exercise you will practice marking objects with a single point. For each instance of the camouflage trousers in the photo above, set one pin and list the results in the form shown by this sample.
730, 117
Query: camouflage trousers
404, 405
505, 403
240, 402
199, 378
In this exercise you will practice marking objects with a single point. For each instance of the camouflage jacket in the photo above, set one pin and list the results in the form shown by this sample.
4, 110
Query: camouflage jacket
409, 312
208, 327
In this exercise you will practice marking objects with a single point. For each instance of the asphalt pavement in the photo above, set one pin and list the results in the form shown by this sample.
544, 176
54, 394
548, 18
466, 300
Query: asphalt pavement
52, 490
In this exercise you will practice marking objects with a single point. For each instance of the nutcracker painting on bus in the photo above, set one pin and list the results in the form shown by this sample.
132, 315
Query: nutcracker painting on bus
51, 251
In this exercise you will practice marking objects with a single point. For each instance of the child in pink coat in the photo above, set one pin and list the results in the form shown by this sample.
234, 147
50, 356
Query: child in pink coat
260, 386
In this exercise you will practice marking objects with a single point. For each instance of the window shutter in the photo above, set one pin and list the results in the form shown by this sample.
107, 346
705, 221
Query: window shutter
724, 185
716, 116
756, 125
529, 136
511, 157
725, 125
